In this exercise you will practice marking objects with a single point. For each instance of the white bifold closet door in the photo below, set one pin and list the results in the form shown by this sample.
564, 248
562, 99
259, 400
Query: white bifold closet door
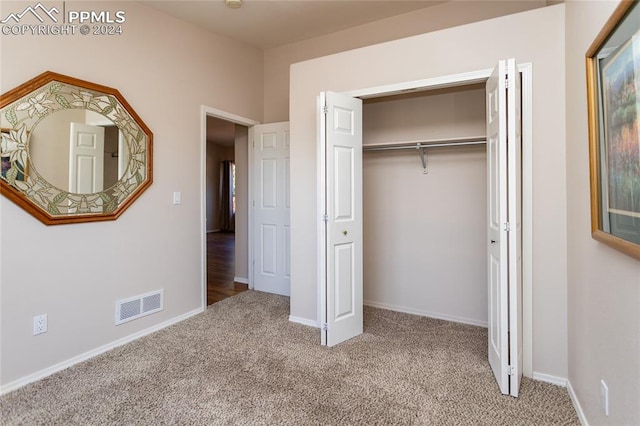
341, 170
504, 226
340, 229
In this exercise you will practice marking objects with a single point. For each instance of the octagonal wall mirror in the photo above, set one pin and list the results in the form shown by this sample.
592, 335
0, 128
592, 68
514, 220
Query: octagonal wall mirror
72, 151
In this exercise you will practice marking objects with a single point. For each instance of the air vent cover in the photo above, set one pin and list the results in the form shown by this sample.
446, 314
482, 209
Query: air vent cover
138, 306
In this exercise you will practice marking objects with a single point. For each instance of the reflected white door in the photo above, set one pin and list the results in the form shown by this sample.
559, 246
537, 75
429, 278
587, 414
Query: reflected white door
341, 260
504, 226
271, 255
86, 158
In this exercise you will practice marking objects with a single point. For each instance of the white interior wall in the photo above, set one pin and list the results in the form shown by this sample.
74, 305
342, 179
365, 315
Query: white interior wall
166, 69
457, 50
425, 234
445, 15
603, 284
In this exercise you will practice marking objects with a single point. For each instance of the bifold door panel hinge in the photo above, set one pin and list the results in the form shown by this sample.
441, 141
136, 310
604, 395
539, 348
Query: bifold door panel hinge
325, 110
506, 83
510, 370
325, 218
325, 327
507, 226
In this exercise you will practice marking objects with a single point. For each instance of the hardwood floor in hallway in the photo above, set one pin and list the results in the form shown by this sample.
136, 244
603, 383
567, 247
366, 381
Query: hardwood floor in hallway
221, 267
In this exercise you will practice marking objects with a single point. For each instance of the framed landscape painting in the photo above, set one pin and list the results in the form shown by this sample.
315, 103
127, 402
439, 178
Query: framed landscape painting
613, 82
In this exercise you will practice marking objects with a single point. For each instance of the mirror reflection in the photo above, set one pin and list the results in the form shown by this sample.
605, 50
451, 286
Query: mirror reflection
79, 151
72, 150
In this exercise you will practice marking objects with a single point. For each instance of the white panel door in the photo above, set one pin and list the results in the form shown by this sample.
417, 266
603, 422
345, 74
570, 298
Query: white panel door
341, 151
504, 230
86, 158
271, 255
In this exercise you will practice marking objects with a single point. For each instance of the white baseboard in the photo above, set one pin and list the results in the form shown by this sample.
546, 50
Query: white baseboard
11, 386
554, 380
576, 404
422, 313
241, 280
304, 321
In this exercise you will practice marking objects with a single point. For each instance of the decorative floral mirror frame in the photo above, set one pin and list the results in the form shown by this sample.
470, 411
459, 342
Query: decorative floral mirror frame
23, 109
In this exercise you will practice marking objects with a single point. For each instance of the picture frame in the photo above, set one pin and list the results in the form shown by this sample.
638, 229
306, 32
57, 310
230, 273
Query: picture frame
613, 100
5, 160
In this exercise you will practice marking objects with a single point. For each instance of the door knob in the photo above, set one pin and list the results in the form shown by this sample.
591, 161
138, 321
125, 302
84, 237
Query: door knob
344, 232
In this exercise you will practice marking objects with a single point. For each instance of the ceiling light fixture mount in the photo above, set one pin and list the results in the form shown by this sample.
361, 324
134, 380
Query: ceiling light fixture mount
233, 4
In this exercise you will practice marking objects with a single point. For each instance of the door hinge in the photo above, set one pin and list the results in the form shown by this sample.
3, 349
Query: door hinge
325, 326
511, 370
507, 83
325, 218
507, 226
325, 110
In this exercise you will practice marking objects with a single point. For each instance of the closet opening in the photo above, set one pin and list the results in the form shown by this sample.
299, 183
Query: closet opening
425, 209
355, 233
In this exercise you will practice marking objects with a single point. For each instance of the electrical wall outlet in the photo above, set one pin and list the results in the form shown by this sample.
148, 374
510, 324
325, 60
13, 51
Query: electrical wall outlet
604, 397
39, 324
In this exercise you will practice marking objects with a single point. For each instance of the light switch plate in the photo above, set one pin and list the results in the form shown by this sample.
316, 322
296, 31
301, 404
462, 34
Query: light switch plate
177, 197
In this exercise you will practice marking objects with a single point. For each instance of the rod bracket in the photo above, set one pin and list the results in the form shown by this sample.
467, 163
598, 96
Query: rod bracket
422, 150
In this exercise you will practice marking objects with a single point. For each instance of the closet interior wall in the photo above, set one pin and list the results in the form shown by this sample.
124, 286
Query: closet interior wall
425, 234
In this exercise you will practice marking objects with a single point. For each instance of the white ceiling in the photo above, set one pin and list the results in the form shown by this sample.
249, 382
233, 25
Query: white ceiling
271, 23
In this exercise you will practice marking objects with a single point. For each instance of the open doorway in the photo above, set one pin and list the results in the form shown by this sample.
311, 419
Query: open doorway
241, 248
225, 187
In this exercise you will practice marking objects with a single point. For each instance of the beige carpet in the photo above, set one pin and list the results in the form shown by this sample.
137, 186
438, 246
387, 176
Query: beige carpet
243, 363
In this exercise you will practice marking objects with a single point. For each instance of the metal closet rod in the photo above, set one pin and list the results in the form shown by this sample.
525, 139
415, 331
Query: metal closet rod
436, 143
421, 146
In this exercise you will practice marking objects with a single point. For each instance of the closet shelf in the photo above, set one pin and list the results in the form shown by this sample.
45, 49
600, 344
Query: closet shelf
421, 146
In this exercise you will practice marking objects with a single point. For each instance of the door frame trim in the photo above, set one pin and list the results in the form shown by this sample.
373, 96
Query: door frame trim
206, 111
481, 76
